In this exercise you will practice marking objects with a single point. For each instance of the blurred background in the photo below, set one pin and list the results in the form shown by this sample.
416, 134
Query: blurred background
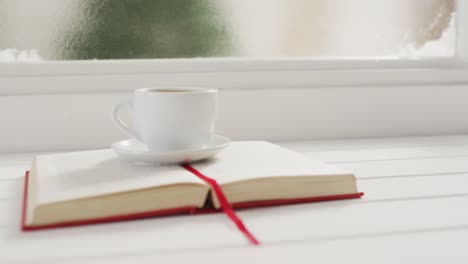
138, 29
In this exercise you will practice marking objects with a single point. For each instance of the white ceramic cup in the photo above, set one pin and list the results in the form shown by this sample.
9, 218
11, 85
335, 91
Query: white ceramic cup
171, 119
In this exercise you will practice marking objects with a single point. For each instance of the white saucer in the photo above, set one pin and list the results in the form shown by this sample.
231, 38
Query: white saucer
135, 151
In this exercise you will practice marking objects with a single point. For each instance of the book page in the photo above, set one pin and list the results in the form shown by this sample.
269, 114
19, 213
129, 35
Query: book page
252, 160
91, 173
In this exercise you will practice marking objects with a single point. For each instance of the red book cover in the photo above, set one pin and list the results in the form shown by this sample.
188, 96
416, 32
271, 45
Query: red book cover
173, 211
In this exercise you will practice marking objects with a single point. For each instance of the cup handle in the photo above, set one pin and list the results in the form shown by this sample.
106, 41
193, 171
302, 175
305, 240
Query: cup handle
118, 121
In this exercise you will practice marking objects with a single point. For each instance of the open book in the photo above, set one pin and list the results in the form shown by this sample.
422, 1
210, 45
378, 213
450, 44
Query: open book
97, 186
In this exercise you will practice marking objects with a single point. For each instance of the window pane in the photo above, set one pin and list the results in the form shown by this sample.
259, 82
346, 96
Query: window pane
130, 29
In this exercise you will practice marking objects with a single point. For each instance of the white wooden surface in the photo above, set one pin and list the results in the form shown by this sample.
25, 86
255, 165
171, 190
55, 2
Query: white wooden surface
415, 211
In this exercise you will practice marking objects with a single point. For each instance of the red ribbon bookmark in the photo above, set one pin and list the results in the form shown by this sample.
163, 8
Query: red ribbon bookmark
225, 205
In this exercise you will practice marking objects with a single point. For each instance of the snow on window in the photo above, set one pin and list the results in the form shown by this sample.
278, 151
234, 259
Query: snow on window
14, 55
120, 29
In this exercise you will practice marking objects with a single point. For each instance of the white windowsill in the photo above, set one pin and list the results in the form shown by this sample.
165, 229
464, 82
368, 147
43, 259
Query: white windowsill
124, 76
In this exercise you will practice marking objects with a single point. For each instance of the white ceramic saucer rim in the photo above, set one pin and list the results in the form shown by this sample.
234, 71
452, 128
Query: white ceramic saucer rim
126, 149
226, 141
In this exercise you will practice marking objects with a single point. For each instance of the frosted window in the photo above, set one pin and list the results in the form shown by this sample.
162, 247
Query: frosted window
135, 29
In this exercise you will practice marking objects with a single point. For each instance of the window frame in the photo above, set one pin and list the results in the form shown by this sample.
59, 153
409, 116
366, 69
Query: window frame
227, 73
462, 31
